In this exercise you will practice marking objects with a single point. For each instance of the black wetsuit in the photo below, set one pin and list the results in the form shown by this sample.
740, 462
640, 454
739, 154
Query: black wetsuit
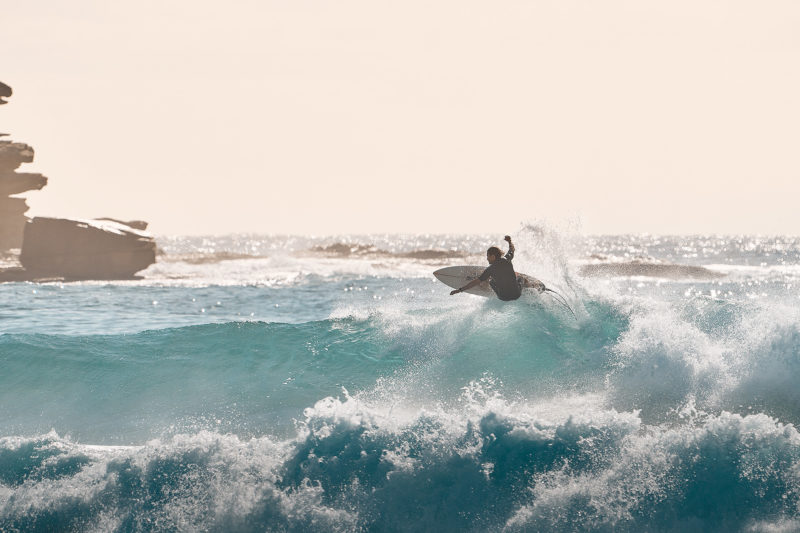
503, 278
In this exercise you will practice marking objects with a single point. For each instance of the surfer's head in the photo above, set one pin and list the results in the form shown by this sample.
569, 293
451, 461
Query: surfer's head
493, 254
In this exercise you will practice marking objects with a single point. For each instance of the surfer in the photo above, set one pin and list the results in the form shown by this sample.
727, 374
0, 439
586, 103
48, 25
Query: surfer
500, 273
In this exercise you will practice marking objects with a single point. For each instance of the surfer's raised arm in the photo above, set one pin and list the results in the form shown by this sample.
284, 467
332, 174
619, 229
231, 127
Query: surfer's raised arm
510, 254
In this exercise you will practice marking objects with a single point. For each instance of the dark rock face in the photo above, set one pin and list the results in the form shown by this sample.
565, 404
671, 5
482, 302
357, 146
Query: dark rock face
85, 249
12, 222
12, 210
12, 155
17, 182
5, 92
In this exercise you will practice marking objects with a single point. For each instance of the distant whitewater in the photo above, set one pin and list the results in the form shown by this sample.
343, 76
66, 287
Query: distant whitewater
253, 383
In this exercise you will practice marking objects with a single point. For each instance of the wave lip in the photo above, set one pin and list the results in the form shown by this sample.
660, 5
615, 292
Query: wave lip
728, 473
195, 482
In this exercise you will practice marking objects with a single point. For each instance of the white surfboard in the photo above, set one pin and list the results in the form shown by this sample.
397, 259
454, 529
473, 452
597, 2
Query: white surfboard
458, 276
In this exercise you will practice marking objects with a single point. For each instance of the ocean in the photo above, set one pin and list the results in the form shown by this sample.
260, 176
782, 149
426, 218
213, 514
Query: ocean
278, 383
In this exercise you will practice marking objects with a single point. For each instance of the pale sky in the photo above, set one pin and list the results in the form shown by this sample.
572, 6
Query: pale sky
365, 116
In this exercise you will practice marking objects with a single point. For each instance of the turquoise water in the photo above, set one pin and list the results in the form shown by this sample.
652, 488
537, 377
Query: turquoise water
254, 384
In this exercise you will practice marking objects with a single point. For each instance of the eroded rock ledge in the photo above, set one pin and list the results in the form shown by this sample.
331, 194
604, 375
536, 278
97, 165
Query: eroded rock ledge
85, 249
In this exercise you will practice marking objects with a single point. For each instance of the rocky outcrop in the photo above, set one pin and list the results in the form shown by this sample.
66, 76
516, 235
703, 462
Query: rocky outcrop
12, 155
5, 92
85, 249
12, 210
12, 222
18, 182
53, 248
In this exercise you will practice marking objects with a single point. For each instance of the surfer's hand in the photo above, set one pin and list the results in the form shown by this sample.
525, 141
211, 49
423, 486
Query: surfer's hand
455, 292
507, 238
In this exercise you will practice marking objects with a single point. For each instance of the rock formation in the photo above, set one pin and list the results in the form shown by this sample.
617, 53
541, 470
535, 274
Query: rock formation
62, 248
85, 249
12, 210
5, 92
